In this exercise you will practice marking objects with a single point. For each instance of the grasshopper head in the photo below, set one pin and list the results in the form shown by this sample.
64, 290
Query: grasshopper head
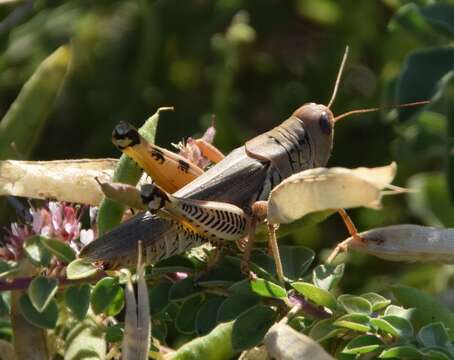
125, 135
153, 197
318, 122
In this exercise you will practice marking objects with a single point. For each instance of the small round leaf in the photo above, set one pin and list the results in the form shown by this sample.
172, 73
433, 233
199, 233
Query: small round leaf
267, 288
315, 294
80, 269
77, 297
355, 304
250, 328
106, 293
41, 291
46, 319
61, 250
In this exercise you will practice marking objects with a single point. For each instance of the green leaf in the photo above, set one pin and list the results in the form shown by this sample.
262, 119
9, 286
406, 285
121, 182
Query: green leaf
217, 345
223, 274
183, 289
393, 325
267, 288
159, 297
41, 291
26, 117
377, 301
355, 304
114, 333
85, 341
185, 321
47, 319
324, 329
316, 295
423, 70
427, 309
61, 250
106, 294
357, 322
400, 312
77, 297
401, 351
8, 268
80, 269
434, 334
296, 260
327, 276
362, 345
178, 263
251, 326
435, 354
235, 305
205, 320
36, 252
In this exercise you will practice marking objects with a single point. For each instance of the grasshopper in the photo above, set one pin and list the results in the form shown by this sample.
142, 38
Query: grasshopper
218, 205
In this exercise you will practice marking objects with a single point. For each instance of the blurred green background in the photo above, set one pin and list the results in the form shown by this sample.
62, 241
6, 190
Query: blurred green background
251, 63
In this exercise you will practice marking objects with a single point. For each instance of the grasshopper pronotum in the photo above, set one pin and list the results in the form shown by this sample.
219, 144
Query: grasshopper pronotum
216, 205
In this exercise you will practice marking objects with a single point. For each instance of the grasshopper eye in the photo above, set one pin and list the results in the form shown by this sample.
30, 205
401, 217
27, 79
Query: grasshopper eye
325, 123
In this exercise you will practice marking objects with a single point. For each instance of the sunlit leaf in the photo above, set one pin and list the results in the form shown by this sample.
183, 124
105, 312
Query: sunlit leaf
363, 344
327, 276
393, 325
267, 288
357, 322
355, 304
315, 294
80, 269
41, 291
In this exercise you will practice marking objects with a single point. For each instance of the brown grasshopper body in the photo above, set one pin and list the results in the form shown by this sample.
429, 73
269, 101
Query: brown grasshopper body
246, 175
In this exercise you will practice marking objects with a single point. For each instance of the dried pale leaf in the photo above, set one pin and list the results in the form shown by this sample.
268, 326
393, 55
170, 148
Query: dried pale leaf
285, 343
321, 189
124, 194
413, 243
256, 353
62, 180
381, 176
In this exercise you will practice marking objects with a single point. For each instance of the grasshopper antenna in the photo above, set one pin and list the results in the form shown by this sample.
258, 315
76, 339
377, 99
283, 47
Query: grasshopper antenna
339, 75
362, 111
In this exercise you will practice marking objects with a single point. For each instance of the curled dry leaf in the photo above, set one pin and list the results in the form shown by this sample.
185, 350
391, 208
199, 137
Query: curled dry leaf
62, 180
414, 243
124, 194
334, 188
285, 343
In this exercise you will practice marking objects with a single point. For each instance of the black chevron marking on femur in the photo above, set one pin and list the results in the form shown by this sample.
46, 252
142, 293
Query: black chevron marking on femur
224, 227
206, 215
216, 224
211, 219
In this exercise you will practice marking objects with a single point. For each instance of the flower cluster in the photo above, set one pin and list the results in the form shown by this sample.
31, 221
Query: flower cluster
54, 220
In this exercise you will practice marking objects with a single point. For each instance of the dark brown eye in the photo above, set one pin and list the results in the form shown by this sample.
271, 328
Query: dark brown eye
324, 123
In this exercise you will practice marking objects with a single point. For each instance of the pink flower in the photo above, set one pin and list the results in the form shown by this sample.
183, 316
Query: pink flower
55, 220
190, 150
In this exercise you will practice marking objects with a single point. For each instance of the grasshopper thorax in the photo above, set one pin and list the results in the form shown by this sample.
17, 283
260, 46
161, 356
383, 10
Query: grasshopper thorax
125, 135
